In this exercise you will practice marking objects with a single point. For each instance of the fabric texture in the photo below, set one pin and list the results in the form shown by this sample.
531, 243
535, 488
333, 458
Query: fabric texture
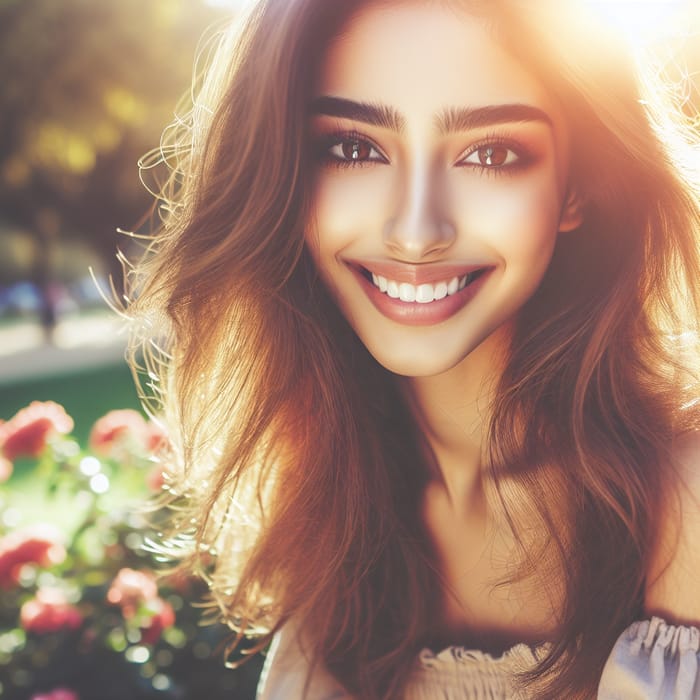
651, 660
465, 674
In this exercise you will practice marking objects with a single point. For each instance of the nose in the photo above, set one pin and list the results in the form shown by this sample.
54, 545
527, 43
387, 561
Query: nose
419, 229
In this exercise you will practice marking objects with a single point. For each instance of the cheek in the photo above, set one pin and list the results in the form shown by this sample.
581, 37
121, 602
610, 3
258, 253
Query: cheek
516, 216
345, 207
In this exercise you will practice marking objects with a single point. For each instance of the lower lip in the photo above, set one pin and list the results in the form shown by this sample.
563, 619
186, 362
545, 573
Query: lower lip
415, 314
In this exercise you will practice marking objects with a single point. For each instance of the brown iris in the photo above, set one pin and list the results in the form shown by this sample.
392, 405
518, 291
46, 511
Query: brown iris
493, 155
356, 150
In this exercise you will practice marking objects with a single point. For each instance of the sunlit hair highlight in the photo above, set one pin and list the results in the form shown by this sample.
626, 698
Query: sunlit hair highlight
299, 465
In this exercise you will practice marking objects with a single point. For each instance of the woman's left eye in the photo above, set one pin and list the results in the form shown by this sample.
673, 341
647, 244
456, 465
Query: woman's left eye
491, 155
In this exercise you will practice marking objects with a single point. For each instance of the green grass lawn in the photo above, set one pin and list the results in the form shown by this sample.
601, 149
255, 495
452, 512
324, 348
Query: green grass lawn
86, 395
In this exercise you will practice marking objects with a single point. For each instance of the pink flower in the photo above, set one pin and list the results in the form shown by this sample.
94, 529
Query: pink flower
157, 478
156, 437
57, 694
26, 433
49, 612
155, 616
137, 595
5, 469
130, 589
117, 428
39, 545
5, 464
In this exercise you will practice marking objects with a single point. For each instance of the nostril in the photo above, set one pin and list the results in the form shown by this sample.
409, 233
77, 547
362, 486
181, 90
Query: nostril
419, 245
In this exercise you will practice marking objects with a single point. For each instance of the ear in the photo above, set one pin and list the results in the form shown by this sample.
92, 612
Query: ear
571, 213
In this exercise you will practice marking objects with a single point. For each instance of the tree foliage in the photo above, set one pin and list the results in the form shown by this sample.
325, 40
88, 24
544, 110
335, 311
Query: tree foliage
87, 87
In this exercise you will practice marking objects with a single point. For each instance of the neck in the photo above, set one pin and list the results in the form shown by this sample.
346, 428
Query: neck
453, 409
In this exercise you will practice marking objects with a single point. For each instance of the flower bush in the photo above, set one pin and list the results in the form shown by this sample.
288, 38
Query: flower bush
49, 611
27, 432
57, 694
38, 545
85, 614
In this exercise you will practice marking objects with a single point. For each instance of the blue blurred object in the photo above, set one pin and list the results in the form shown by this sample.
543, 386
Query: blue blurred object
20, 299
24, 299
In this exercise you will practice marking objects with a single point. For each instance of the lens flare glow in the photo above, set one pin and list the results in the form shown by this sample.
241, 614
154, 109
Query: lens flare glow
644, 22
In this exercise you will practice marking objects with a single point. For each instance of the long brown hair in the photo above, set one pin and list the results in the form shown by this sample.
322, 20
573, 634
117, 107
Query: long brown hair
301, 467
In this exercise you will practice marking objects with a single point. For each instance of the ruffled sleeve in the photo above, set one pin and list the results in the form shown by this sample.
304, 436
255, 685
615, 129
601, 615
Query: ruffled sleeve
653, 660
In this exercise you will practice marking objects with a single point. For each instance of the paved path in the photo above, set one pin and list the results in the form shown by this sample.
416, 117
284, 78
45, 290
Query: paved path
83, 342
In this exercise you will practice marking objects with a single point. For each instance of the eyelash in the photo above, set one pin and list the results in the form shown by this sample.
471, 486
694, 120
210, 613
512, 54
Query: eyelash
325, 143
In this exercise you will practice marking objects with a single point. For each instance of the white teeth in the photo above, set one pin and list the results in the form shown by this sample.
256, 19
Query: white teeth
407, 292
422, 293
425, 294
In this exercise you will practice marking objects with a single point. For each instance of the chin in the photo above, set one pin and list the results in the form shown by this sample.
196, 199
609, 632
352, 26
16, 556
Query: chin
425, 356
416, 362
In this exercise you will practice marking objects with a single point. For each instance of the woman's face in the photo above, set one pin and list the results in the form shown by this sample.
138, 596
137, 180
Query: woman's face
441, 183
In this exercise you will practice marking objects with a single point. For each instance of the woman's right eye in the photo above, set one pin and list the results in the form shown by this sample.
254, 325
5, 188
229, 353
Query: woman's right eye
349, 150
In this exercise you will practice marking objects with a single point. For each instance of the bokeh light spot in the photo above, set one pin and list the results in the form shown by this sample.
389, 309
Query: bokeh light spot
99, 483
161, 682
90, 466
137, 654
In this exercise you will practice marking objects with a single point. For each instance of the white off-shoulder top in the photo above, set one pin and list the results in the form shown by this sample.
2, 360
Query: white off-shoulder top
651, 660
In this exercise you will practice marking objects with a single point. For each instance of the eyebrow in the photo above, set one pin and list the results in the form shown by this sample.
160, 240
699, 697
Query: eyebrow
450, 120
466, 118
369, 113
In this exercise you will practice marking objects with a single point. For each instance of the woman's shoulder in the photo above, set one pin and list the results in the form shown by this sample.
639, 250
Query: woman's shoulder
652, 660
674, 568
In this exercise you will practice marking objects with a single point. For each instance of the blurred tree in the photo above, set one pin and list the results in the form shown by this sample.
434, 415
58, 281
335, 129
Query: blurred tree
87, 87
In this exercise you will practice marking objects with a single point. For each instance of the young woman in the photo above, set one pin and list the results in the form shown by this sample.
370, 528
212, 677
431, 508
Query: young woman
426, 301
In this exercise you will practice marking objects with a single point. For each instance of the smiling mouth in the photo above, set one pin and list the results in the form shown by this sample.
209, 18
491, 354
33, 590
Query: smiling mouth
421, 293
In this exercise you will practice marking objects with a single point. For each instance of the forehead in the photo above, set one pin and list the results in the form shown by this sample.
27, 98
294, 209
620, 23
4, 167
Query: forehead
420, 56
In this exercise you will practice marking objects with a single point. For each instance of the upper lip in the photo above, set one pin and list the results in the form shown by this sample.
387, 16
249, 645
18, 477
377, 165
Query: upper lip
425, 273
